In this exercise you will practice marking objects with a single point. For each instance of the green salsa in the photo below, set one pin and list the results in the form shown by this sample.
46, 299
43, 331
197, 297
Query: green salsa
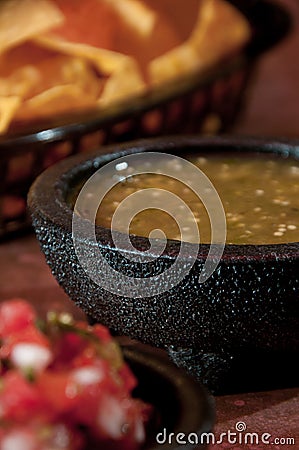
259, 193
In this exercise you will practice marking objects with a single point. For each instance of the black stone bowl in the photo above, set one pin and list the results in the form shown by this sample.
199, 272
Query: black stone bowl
235, 330
181, 404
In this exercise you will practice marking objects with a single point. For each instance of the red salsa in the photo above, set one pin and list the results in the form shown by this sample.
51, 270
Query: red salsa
64, 385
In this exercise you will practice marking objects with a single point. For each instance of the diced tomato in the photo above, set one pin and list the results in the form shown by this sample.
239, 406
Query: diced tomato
78, 380
41, 436
15, 315
57, 391
20, 399
19, 437
29, 334
128, 379
102, 332
66, 349
62, 436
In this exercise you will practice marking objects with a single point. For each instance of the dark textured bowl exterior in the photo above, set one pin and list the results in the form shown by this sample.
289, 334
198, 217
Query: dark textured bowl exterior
249, 303
181, 403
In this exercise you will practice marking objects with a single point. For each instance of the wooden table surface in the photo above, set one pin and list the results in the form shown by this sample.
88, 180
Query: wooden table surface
272, 110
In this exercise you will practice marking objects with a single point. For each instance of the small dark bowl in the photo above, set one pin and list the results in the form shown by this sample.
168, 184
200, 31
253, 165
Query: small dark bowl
181, 404
248, 307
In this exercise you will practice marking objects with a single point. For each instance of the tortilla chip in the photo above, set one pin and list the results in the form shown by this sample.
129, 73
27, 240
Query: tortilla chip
106, 61
145, 47
57, 79
23, 19
91, 22
20, 82
123, 83
8, 108
136, 14
44, 69
64, 69
220, 31
54, 60
179, 61
53, 101
180, 15
124, 76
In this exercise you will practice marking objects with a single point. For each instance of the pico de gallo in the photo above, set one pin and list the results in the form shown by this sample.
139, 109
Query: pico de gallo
64, 385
